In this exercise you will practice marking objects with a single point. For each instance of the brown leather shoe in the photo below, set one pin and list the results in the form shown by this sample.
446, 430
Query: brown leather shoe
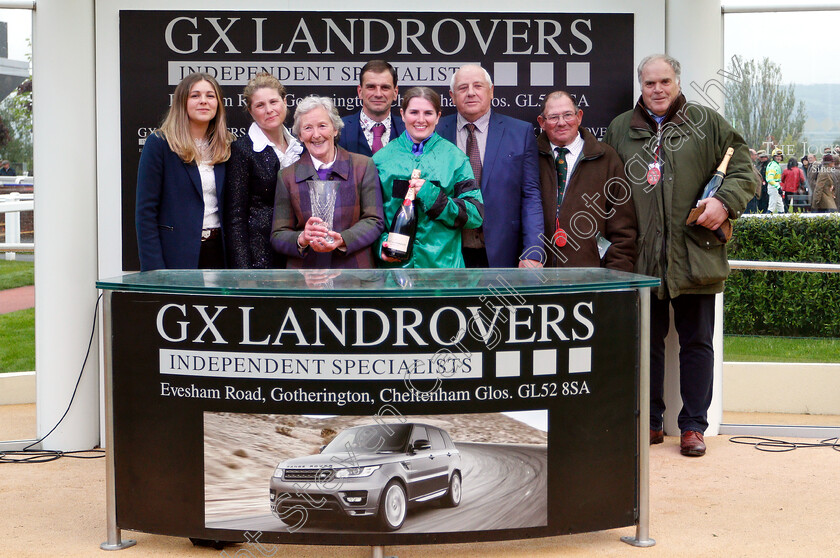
656, 436
692, 444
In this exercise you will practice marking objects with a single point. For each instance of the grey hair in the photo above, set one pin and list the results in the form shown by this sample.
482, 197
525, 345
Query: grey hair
312, 102
486, 75
670, 60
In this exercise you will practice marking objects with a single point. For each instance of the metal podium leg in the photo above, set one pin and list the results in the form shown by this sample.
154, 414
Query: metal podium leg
114, 541
642, 537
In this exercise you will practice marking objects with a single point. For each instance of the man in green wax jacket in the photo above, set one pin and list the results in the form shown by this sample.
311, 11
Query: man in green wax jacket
670, 149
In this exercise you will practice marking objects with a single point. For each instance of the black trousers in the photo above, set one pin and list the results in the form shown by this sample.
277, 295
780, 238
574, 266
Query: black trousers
212, 254
694, 319
787, 199
475, 257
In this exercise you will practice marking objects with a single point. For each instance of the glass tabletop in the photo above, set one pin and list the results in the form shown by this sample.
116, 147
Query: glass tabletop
377, 282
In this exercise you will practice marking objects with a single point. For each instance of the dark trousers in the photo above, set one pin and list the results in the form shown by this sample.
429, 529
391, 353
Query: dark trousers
787, 199
764, 200
212, 255
475, 257
694, 318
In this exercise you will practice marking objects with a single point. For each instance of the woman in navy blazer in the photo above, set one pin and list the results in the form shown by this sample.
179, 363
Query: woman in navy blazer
180, 181
255, 161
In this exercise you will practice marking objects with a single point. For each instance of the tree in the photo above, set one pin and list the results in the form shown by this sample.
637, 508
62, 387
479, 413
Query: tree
16, 115
759, 106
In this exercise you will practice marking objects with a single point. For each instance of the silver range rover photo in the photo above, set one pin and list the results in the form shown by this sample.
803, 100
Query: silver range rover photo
375, 471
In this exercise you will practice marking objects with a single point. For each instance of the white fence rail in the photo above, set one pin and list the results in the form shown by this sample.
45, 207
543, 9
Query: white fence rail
11, 205
785, 266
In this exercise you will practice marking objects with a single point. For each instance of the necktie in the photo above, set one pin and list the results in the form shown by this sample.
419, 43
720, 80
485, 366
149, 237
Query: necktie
473, 153
559, 237
560, 164
324, 172
473, 238
378, 129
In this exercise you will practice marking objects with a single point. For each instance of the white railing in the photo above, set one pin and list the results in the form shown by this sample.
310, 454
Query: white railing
24, 179
785, 266
791, 369
11, 205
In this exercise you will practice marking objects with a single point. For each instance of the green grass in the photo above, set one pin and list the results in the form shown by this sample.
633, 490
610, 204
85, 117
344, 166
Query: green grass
17, 329
17, 335
744, 348
16, 274
17, 349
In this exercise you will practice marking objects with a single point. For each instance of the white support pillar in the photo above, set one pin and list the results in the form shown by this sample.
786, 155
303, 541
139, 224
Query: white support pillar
65, 221
694, 36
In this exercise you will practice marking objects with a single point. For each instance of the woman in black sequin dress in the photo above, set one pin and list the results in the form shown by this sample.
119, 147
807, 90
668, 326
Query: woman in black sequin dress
255, 161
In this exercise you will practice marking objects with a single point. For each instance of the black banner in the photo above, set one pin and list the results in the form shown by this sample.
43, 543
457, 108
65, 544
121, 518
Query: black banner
374, 421
527, 54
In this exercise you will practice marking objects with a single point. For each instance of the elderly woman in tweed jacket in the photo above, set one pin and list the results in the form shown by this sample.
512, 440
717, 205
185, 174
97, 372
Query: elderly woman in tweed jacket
357, 222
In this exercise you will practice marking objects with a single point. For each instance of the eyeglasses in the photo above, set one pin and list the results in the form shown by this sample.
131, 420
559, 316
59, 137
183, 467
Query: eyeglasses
555, 118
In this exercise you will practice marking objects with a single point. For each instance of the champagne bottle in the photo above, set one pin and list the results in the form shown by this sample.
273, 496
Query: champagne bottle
400, 242
724, 232
717, 179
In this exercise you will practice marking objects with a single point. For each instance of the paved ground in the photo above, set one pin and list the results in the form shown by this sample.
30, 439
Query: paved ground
735, 501
12, 300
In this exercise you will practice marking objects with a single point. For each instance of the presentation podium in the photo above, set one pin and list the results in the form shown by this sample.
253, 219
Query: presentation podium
376, 407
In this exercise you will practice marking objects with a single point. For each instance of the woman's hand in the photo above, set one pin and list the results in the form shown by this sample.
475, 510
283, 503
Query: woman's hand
385, 258
314, 231
416, 184
321, 245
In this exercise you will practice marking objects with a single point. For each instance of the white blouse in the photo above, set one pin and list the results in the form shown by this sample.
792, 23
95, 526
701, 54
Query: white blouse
286, 158
211, 201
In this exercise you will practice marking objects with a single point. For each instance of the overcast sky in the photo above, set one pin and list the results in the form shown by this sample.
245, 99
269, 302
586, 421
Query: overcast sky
20, 29
803, 43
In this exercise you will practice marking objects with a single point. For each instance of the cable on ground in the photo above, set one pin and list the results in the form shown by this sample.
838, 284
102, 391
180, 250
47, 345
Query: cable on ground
27, 455
778, 446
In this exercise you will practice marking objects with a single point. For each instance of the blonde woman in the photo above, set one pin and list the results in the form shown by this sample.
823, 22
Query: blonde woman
180, 181
256, 160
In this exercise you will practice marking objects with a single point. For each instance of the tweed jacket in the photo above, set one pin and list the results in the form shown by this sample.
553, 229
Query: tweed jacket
597, 197
358, 212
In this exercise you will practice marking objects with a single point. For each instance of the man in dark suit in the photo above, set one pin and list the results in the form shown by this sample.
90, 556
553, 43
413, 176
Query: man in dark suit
374, 126
503, 154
